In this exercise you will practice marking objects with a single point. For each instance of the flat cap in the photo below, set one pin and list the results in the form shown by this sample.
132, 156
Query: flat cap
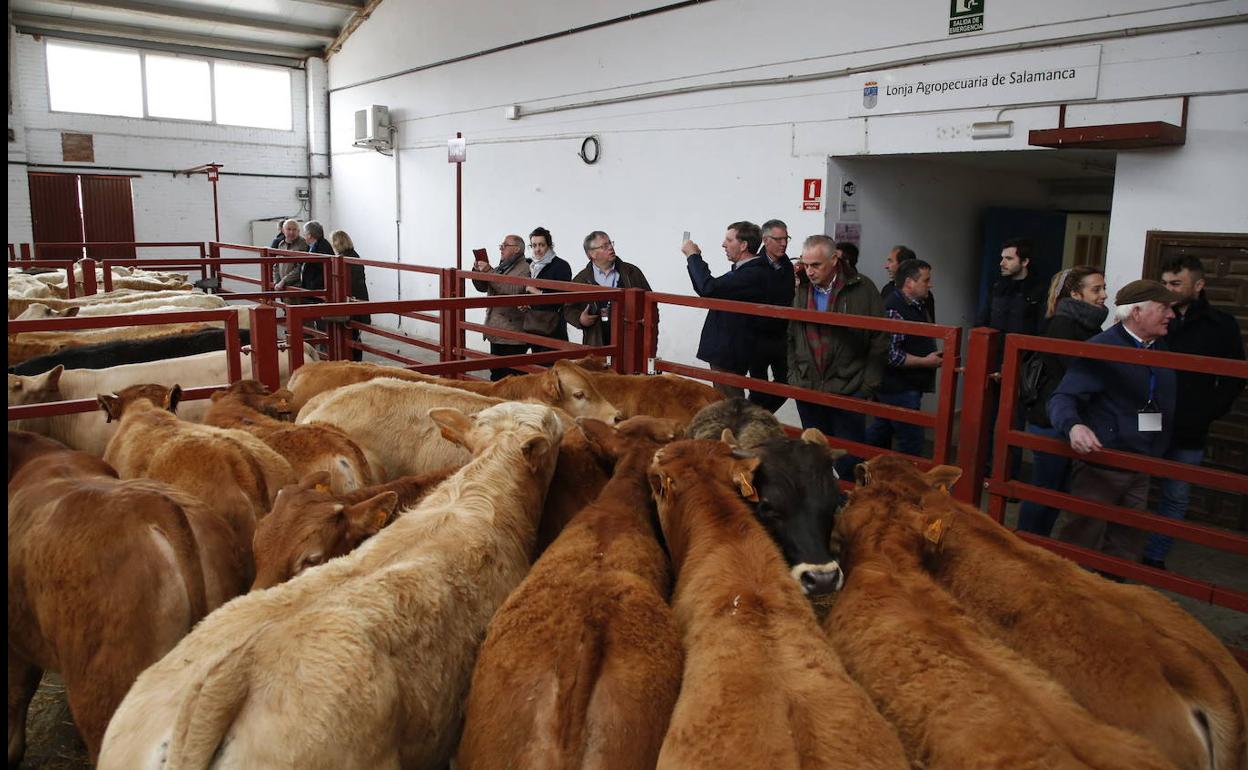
1145, 290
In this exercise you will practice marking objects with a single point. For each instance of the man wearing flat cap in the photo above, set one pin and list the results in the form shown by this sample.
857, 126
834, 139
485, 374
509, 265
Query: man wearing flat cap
1126, 407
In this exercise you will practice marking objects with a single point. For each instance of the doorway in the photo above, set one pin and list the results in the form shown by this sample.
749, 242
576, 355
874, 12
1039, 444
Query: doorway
82, 208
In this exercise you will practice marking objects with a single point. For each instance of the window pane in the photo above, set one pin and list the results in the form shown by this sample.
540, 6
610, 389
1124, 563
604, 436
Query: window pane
178, 88
252, 96
105, 81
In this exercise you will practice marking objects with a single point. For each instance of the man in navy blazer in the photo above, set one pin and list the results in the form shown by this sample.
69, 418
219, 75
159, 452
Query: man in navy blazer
731, 342
1126, 407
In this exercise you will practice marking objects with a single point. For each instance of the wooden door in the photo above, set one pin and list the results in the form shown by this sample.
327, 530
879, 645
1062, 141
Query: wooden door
1225, 259
55, 213
108, 215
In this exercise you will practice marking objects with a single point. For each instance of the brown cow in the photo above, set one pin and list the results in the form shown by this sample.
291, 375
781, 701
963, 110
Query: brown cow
364, 662
30, 344
1126, 653
761, 686
234, 473
958, 698
663, 395
309, 524
563, 385
105, 576
581, 665
308, 448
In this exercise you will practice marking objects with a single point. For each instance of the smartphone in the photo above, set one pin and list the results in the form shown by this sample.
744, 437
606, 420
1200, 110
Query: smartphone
684, 237
480, 255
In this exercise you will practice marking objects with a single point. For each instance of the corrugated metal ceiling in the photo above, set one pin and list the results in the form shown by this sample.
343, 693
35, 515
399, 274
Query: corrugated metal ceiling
290, 30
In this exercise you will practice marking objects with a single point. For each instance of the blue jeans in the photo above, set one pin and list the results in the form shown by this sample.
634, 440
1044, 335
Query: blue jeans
1174, 498
909, 436
840, 423
1047, 471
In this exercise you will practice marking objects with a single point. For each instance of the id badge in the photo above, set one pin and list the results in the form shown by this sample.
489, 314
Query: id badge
1150, 422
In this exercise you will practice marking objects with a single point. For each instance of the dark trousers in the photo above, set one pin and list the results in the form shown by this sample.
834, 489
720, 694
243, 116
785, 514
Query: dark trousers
909, 436
839, 423
1111, 486
503, 349
1049, 472
778, 363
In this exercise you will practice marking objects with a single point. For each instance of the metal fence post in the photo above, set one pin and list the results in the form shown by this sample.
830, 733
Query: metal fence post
447, 318
634, 329
88, 277
264, 363
977, 391
214, 249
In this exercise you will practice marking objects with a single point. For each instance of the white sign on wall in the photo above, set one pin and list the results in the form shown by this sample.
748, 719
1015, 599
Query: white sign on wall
1056, 75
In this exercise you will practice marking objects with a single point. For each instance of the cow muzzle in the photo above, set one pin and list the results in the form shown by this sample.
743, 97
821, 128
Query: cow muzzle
819, 579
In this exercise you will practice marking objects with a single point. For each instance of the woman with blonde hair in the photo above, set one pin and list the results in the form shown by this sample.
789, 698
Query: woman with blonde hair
344, 247
1075, 311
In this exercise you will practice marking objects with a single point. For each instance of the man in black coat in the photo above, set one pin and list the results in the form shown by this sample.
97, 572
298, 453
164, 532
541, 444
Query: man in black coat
1202, 330
313, 273
774, 355
1016, 301
731, 342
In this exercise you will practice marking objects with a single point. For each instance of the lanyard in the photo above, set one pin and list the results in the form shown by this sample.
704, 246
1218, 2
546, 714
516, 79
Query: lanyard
1152, 375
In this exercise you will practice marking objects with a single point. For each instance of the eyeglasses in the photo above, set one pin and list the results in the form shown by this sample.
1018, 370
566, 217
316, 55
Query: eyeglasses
602, 246
512, 245
784, 239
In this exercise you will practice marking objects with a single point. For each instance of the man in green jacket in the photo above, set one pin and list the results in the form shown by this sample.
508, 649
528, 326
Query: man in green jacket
607, 270
835, 359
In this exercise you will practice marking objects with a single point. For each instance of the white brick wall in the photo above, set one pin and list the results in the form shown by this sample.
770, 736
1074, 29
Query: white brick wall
165, 207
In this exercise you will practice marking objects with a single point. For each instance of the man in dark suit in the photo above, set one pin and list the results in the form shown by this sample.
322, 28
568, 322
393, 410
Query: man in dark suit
731, 342
313, 273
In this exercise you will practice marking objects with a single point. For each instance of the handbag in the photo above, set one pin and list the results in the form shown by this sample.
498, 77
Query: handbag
543, 322
1030, 376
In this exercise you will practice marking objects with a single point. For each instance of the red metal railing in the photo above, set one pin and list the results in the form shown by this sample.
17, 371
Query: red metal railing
941, 422
1001, 486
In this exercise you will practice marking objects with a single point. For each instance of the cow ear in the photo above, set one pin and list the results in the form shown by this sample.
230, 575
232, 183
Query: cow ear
862, 475
217, 395
53, 378
600, 436
318, 480
534, 449
111, 404
729, 438
943, 477
365, 519
453, 423
554, 386
743, 477
814, 436
934, 533
172, 398
70, 312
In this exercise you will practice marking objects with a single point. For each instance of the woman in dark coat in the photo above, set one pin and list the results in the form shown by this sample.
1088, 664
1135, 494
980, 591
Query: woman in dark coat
546, 320
358, 289
1076, 310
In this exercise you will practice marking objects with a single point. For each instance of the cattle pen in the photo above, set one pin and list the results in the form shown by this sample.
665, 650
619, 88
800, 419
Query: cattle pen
286, 319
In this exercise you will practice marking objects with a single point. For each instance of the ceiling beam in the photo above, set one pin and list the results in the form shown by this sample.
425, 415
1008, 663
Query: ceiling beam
182, 13
124, 34
352, 24
346, 5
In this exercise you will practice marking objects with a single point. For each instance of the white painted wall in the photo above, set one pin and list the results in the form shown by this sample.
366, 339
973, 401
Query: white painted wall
165, 208
699, 161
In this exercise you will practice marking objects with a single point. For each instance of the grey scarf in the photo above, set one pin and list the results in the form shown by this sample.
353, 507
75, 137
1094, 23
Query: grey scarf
1085, 314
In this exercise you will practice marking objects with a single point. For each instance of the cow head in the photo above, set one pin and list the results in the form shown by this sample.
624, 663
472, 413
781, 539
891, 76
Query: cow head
36, 388
799, 495
537, 428
640, 432
568, 387
309, 525
902, 474
883, 519
38, 310
114, 405
255, 395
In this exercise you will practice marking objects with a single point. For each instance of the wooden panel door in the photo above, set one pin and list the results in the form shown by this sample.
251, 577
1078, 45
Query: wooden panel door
108, 215
55, 214
1225, 259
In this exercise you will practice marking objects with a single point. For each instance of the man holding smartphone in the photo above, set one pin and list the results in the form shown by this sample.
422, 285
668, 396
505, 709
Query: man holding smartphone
607, 270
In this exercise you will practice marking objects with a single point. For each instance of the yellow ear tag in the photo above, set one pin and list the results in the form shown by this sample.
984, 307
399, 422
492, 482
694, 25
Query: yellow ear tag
747, 489
943, 488
322, 488
381, 516
935, 532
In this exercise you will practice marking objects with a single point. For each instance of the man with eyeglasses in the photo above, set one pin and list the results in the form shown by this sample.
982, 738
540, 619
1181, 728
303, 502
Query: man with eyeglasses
733, 342
511, 261
774, 356
604, 269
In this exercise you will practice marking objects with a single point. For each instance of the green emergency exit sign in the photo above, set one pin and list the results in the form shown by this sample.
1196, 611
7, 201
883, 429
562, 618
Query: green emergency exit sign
966, 16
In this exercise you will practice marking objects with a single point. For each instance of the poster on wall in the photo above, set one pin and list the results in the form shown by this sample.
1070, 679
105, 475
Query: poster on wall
1052, 75
456, 150
848, 231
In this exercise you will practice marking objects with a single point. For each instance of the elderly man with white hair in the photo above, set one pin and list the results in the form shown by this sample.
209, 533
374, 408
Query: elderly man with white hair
1127, 407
